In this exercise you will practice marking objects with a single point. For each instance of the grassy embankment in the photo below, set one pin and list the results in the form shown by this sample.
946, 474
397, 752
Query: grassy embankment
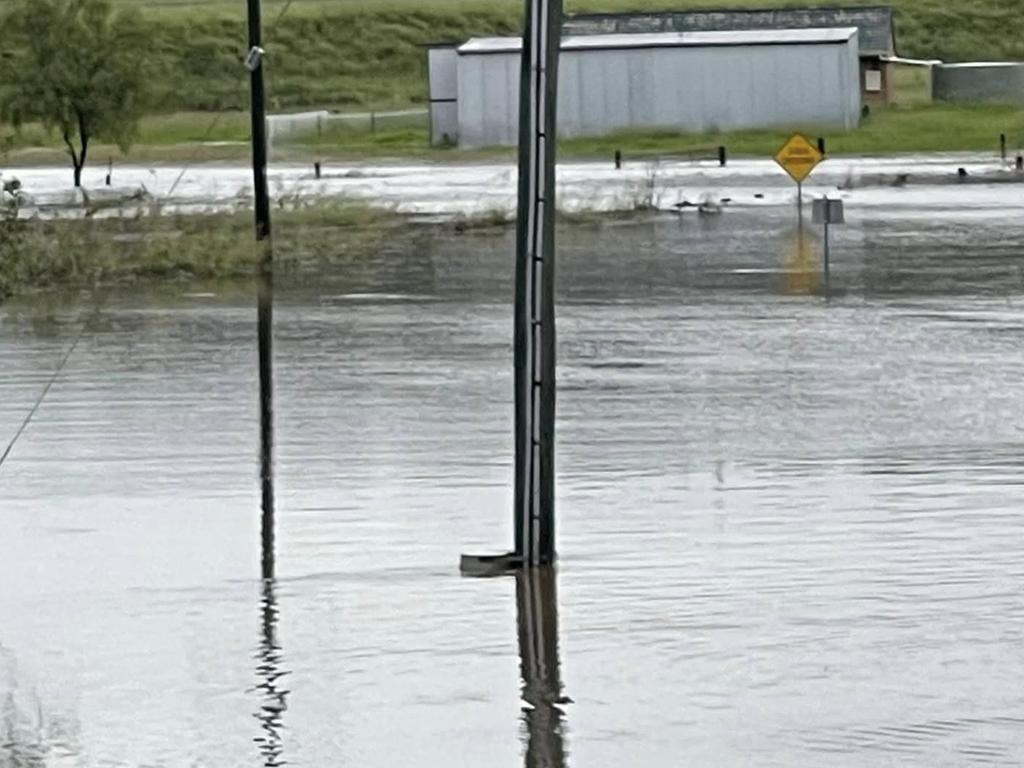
367, 54
38, 254
138, 246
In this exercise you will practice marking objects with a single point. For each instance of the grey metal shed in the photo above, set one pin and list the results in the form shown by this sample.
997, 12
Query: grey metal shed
442, 74
876, 30
699, 81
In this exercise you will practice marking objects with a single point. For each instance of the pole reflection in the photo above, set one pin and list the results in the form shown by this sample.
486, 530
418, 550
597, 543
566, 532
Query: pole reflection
264, 331
274, 698
537, 609
269, 656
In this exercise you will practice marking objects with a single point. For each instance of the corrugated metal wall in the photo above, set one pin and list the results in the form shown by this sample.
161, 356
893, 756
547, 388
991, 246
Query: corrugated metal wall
489, 99
997, 82
683, 88
442, 76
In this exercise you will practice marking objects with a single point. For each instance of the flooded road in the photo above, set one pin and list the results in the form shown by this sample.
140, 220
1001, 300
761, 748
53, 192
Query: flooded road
789, 528
924, 186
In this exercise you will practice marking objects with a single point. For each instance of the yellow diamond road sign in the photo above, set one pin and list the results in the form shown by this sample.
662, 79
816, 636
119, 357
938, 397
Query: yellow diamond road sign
798, 157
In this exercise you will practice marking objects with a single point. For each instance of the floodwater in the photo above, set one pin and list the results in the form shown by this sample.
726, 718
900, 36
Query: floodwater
789, 528
923, 186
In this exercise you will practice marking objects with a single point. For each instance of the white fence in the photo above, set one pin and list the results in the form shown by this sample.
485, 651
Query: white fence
299, 125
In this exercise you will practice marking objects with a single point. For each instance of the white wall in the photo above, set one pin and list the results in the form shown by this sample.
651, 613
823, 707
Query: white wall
681, 88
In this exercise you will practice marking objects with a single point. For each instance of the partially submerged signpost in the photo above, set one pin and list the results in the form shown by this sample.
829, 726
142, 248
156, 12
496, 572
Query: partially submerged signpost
798, 157
825, 212
534, 513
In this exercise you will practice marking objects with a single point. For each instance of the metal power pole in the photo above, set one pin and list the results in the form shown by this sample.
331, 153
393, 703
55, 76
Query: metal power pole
534, 329
535, 287
265, 306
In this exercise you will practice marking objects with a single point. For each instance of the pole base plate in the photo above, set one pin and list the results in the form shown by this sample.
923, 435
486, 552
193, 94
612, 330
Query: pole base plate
486, 566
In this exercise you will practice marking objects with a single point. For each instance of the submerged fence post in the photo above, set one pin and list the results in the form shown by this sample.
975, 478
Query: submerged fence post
1002, 146
265, 306
534, 325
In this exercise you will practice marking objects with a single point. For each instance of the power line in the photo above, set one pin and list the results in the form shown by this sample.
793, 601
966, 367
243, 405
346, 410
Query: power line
42, 395
195, 154
213, 123
281, 14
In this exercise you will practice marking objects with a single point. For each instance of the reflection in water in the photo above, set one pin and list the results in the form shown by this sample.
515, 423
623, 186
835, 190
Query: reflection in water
30, 738
853, 566
268, 669
537, 603
265, 335
801, 265
269, 673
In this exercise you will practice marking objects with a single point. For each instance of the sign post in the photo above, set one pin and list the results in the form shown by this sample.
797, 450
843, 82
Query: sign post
827, 212
798, 157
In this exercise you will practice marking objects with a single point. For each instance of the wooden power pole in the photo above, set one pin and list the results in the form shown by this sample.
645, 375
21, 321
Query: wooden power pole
265, 305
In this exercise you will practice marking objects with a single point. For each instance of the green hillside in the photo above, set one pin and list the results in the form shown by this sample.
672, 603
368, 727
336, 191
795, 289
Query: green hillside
349, 53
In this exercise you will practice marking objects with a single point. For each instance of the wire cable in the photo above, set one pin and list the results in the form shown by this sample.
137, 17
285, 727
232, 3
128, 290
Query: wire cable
280, 16
217, 118
42, 395
195, 154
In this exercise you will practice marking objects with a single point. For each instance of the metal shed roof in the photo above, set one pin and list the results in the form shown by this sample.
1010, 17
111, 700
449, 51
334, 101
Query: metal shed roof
487, 45
877, 36
981, 64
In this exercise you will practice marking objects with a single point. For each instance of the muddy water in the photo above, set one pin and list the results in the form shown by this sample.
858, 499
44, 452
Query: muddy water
789, 528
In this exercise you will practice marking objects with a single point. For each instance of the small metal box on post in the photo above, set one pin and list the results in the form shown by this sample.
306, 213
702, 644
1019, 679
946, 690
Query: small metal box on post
827, 212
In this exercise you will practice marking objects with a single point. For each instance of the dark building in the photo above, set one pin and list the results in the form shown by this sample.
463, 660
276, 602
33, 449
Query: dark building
875, 30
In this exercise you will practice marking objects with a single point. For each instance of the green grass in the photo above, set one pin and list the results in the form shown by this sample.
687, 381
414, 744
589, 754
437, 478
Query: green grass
913, 128
913, 86
347, 53
937, 128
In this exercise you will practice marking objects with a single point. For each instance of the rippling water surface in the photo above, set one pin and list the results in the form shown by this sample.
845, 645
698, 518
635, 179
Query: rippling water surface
789, 528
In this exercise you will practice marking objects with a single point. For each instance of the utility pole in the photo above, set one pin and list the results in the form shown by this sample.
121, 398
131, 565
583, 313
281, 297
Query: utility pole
534, 327
265, 301
535, 286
